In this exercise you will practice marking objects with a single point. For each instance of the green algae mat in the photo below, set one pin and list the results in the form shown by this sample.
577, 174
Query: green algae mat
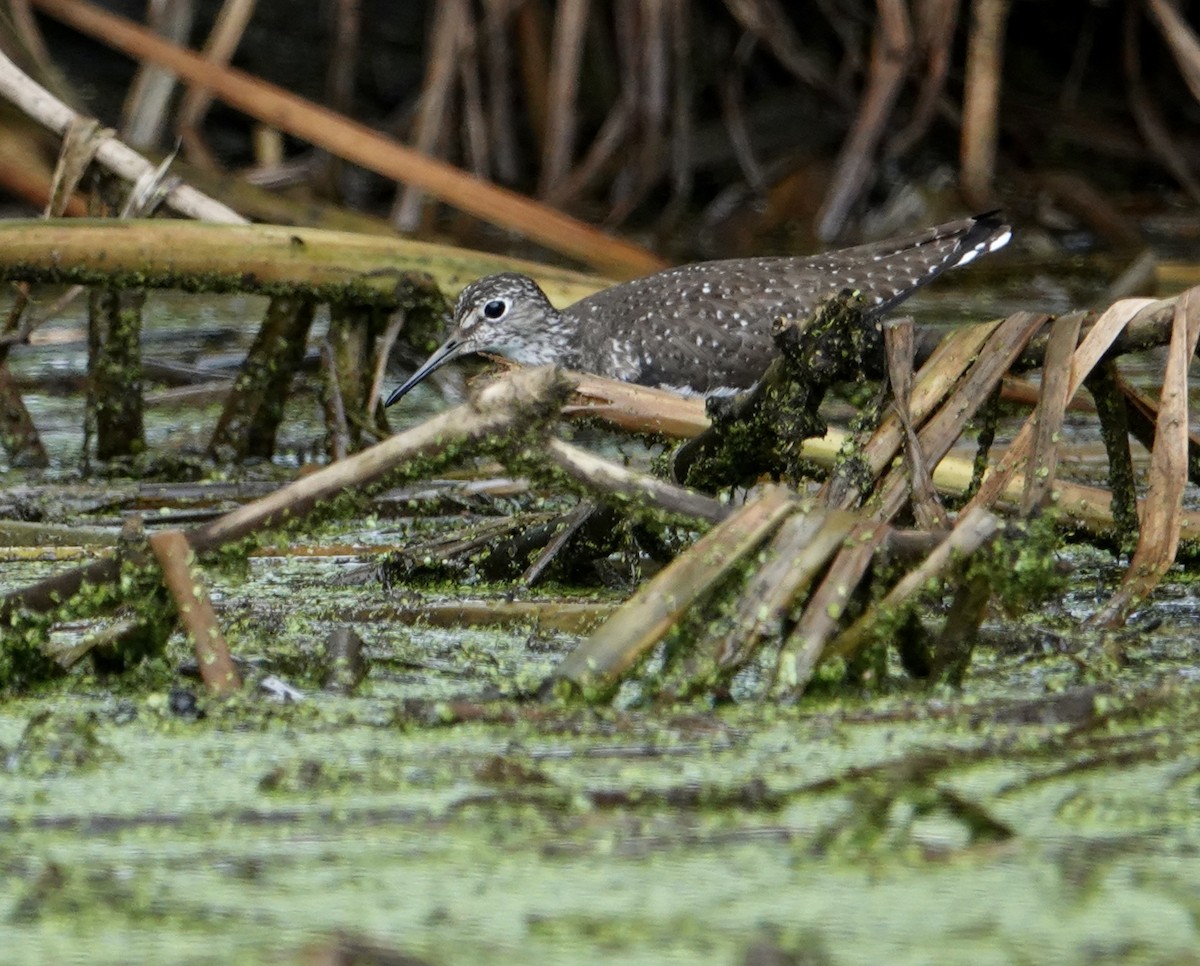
1046, 813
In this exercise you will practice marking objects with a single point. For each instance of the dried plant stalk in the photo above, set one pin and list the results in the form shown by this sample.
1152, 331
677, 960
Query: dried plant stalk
801, 652
898, 339
1158, 538
891, 53
362, 145
793, 557
1004, 346
1052, 406
636, 489
973, 529
981, 108
626, 637
188, 590
937, 377
1095, 344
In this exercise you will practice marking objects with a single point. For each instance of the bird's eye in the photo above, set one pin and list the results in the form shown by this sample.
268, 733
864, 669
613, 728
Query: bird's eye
495, 308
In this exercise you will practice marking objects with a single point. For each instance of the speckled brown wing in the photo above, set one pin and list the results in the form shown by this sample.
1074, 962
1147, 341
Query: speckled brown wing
708, 325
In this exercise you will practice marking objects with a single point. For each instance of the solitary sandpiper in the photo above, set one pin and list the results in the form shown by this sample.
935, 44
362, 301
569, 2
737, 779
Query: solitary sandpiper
701, 328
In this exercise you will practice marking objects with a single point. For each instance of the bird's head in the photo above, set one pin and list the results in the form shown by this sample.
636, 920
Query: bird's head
507, 314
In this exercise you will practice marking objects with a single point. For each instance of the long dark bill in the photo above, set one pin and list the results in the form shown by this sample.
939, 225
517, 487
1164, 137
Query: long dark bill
447, 351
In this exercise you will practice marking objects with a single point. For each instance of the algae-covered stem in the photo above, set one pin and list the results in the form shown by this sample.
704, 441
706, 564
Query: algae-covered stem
972, 530
598, 663
827, 605
790, 561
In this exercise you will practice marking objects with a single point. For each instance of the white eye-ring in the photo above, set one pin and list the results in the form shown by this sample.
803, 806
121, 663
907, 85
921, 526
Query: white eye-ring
495, 309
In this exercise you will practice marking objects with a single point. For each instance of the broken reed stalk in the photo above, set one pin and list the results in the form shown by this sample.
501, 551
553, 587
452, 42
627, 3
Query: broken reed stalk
360, 144
797, 553
523, 396
1158, 536
638, 490
190, 594
99, 640
638, 409
899, 345
337, 430
972, 530
801, 651
1051, 409
939, 433
759, 610
331, 266
935, 379
1096, 343
598, 663
21, 533
792, 556
354, 332
18, 88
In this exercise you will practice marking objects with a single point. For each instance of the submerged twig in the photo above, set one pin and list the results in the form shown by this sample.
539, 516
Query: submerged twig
345, 664
568, 527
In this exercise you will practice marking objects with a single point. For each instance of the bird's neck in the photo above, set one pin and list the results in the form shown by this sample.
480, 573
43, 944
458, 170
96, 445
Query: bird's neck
551, 338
